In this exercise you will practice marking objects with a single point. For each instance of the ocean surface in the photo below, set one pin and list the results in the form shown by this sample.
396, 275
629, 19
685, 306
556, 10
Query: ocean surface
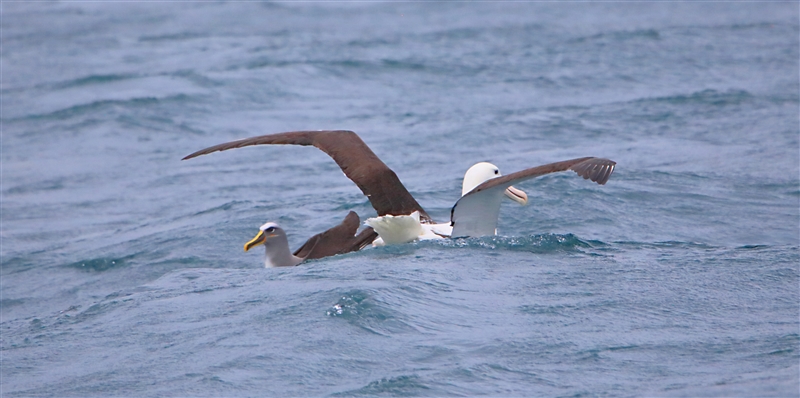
122, 268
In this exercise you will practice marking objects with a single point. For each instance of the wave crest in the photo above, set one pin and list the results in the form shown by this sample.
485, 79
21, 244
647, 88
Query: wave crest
541, 243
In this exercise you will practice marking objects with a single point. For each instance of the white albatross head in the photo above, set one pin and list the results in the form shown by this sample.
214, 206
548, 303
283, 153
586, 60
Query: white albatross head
485, 171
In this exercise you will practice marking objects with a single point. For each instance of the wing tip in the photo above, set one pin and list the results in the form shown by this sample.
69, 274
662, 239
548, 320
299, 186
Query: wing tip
598, 170
205, 151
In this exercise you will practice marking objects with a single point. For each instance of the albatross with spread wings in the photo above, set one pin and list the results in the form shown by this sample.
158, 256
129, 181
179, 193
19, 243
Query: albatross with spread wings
400, 218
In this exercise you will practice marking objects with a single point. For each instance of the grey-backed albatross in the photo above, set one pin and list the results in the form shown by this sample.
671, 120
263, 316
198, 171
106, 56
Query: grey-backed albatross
337, 240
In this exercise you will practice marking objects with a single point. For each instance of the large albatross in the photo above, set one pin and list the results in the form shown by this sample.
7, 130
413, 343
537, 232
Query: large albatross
400, 218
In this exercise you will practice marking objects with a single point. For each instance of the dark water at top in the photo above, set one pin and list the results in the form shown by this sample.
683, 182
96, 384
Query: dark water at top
122, 268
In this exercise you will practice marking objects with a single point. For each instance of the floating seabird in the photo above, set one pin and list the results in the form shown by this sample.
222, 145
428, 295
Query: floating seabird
403, 229
476, 212
337, 240
400, 218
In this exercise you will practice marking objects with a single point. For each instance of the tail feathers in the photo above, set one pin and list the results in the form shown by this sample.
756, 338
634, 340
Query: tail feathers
396, 229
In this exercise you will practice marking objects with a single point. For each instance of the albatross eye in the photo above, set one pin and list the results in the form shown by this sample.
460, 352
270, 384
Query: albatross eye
496, 171
270, 230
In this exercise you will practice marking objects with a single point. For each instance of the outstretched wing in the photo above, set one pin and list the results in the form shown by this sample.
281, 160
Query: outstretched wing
376, 180
596, 169
337, 240
475, 214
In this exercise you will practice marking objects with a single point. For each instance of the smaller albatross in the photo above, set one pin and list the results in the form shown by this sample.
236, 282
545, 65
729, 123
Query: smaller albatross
337, 240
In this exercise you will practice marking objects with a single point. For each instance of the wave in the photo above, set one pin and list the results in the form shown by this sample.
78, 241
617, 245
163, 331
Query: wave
704, 97
542, 243
100, 264
93, 79
404, 385
363, 309
101, 106
622, 35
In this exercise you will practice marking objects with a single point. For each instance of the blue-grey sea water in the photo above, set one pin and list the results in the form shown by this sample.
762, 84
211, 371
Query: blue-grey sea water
122, 268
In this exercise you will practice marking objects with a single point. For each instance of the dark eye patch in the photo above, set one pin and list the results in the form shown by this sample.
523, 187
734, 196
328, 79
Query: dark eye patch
270, 229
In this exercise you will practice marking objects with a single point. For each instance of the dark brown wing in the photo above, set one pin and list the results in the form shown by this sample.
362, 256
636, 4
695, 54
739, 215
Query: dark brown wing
596, 169
337, 240
376, 180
